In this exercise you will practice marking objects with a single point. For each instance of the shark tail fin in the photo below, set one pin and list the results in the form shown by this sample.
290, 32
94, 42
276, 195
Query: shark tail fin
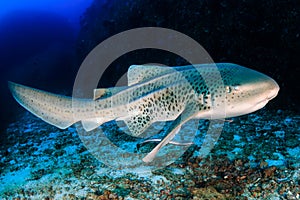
52, 108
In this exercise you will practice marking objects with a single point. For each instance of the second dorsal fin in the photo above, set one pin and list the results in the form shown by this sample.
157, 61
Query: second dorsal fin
106, 92
98, 93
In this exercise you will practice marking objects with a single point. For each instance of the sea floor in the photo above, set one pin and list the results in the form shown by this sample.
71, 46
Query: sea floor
256, 157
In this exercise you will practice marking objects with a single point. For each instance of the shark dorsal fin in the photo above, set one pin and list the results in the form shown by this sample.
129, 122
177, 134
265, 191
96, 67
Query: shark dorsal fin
140, 73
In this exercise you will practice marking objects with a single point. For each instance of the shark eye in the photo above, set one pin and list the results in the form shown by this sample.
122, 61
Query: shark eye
228, 89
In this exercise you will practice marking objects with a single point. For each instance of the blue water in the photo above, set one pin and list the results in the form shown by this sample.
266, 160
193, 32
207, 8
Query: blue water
38, 45
70, 9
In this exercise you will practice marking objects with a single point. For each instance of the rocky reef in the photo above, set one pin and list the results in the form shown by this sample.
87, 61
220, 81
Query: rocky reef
256, 157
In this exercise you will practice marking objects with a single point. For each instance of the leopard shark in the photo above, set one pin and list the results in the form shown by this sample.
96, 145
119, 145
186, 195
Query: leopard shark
157, 93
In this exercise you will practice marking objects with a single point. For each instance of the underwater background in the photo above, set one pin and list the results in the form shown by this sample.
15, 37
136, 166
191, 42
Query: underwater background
42, 45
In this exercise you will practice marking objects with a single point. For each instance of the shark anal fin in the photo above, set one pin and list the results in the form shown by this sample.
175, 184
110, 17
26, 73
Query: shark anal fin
186, 115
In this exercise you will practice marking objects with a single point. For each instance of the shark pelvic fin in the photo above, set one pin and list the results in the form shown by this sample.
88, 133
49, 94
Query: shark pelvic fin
91, 124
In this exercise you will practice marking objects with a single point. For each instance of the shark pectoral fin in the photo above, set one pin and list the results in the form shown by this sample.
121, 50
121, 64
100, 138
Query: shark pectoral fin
91, 124
139, 73
186, 115
150, 156
138, 124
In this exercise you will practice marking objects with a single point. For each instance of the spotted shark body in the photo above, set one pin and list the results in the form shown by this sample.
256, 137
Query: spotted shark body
155, 93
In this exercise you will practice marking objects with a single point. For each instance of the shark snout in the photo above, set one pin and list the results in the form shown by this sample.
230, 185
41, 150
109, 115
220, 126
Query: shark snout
273, 88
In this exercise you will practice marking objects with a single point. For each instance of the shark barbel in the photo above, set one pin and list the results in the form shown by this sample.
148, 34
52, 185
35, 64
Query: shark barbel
156, 93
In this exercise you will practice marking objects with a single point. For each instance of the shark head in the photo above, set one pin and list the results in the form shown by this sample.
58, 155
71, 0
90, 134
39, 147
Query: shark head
246, 90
